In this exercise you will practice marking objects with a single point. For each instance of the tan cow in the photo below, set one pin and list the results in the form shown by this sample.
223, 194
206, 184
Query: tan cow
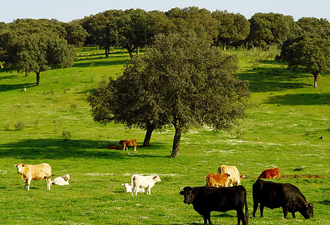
271, 173
35, 172
217, 180
235, 177
126, 143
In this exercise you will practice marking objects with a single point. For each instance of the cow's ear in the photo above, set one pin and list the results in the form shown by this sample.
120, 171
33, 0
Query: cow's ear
310, 205
181, 192
23, 165
15, 165
155, 177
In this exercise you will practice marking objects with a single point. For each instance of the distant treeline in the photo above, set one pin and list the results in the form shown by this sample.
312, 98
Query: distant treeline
135, 28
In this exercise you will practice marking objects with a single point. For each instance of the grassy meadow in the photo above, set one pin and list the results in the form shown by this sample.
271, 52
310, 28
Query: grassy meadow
52, 123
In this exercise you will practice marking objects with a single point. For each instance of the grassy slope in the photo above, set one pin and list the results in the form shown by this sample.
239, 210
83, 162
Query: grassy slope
286, 118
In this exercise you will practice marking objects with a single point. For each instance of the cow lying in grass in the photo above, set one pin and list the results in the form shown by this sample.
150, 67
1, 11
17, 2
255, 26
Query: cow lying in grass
64, 180
34, 172
128, 188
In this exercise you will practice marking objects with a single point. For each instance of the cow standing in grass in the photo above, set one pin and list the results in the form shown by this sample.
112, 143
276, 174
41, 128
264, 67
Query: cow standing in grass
35, 172
208, 199
276, 195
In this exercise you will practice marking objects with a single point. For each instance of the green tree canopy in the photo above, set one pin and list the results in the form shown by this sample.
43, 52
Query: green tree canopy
34, 49
310, 54
193, 19
182, 82
269, 28
231, 27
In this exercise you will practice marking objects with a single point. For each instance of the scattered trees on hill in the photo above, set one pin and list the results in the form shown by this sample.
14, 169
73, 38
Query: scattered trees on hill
181, 81
27, 45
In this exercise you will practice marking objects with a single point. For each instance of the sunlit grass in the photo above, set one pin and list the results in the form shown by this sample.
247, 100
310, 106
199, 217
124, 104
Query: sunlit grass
284, 123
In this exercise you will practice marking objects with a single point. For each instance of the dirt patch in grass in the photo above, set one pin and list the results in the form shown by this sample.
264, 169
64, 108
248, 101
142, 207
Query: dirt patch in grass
301, 176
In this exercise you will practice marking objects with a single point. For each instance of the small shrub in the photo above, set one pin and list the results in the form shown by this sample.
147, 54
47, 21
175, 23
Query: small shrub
56, 125
66, 135
7, 125
36, 122
73, 106
19, 125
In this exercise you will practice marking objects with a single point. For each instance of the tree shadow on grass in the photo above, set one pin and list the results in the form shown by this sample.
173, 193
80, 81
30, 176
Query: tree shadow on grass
58, 149
272, 79
300, 99
18, 87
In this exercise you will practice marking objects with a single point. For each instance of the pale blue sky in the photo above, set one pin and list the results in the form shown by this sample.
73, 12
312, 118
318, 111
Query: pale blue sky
67, 10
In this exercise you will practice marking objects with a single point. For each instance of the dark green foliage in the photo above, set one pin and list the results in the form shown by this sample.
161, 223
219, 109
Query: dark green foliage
310, 54
180, 81
231, 28
36, 46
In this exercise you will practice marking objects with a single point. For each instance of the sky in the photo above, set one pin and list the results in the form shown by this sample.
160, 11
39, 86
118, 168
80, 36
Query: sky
68, 10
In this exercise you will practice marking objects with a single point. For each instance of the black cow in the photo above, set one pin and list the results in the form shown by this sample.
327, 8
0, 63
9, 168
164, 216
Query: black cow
275, 195
208, 199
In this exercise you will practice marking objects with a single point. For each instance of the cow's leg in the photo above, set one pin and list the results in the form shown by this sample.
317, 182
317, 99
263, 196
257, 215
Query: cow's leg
27, 184
255, 207
48, 181
293, 215
148, 190
207, 217
240, 216
262, 210
285, 211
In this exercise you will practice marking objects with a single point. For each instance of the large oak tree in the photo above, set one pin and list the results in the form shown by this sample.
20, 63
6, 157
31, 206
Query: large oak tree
310, 54
180, 81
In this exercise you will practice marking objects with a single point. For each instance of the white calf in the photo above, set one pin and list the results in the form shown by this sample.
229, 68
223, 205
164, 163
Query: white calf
34, 172
147, 182
64, 180
128, 188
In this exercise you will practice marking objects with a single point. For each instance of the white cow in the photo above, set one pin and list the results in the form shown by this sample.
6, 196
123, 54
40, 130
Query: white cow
64, 180
235, 178
128, 188
147, 182
35, 172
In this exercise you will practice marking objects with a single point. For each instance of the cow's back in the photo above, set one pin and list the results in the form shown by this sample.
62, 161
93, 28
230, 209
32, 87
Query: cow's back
268, 193
219, 199
40, 171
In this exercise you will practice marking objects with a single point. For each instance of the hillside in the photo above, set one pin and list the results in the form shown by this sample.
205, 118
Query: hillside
285, 122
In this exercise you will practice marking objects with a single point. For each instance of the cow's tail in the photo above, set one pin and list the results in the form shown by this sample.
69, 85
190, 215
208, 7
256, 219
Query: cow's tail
246, 210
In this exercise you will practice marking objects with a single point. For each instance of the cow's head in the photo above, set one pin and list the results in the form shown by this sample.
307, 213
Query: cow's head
66, 177
309, 213
156, 178
189, 194
19, 167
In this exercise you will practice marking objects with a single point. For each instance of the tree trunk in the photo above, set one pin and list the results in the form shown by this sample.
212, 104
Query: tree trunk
107, 50
147, 137
26, 72
38, 78
130, 54
176, 142
315, 79
137, 51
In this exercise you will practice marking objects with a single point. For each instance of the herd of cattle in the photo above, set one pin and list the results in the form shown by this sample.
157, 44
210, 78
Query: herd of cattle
215, 196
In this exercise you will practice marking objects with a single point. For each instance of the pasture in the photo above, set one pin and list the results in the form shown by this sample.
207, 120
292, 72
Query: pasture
52, 123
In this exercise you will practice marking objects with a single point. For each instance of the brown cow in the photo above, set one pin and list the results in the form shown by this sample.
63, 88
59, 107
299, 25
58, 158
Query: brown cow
217, 180
126, 143
271, 173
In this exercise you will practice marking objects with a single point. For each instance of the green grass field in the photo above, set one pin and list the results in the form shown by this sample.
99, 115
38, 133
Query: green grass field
52, 123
